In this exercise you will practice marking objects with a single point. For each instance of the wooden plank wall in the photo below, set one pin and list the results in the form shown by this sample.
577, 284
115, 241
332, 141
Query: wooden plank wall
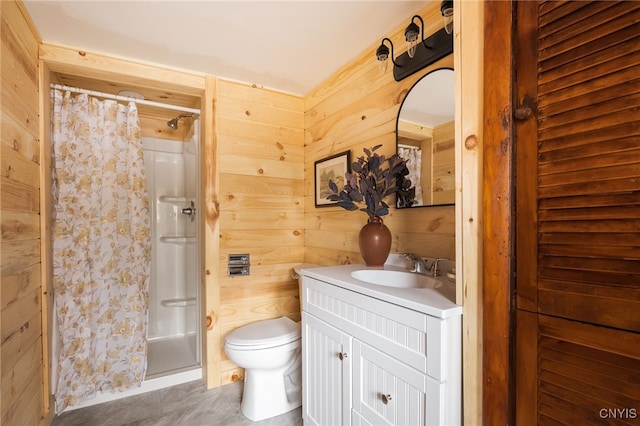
469, 50
357, 108
261, 172
252, 186
444, 186
20, 301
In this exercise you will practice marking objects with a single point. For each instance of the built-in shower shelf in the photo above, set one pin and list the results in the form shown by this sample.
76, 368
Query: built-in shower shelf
178, 303
178, 240
173, 199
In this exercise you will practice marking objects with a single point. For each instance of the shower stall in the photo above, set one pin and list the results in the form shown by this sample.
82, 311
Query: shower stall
174, 329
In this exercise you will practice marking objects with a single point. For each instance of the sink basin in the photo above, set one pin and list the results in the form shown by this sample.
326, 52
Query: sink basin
398, 279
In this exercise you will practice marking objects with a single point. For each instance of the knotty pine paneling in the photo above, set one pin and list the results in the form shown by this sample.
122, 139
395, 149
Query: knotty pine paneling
356, 108
167, 85
261, 175
156, 127
444, 164
21, 369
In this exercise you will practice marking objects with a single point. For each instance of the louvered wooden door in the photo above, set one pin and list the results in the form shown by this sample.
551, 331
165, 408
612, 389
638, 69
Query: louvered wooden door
578, 212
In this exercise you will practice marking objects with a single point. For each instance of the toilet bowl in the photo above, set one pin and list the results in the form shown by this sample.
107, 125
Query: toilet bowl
270, 353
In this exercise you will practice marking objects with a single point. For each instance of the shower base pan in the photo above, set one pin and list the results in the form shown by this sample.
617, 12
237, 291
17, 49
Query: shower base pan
170, 355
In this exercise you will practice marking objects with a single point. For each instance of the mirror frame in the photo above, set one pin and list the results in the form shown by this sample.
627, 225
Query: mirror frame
397, 203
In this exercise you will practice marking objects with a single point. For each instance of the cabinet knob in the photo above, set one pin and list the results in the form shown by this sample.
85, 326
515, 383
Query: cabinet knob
342, 355
385, 398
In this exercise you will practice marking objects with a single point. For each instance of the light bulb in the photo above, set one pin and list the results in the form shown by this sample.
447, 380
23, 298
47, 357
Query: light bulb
383, 65
448, 20
446, 8
411, 49
411, 37
382, 54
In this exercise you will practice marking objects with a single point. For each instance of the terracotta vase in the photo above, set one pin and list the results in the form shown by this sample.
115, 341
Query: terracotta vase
375, 242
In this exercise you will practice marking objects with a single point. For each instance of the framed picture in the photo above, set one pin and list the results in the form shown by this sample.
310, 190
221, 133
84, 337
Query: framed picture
330, 168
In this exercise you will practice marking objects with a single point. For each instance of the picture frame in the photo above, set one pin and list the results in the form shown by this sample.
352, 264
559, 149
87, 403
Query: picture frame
330, 168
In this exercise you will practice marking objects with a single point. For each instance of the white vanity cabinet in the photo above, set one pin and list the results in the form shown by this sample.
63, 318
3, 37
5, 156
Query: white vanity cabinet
369, 361
327, 373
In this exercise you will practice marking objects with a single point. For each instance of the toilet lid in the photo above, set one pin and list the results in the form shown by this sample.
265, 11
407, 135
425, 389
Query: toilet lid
271, 332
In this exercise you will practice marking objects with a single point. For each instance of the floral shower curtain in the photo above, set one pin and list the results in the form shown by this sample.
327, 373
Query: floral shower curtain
413, 155
101, 246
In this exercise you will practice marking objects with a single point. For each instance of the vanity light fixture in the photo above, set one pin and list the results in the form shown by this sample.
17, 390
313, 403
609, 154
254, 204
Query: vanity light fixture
420, 52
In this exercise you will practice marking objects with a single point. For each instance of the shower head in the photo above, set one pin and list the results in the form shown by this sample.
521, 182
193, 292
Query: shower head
173, 123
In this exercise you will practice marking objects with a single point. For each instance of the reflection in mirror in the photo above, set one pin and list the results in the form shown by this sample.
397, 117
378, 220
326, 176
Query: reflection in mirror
425, 137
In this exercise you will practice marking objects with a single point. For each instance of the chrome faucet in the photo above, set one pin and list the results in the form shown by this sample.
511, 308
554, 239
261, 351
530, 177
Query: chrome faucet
435, 271
418, 265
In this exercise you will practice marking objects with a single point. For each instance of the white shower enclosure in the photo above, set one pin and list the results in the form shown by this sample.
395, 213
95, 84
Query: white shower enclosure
174, 330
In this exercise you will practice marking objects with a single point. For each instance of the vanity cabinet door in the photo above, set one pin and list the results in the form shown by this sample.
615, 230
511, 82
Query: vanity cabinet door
326, 374
389, 392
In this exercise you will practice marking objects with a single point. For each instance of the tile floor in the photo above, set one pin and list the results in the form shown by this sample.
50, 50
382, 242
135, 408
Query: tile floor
188, 404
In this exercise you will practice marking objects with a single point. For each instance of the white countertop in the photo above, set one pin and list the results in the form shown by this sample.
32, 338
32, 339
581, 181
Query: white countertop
438, 302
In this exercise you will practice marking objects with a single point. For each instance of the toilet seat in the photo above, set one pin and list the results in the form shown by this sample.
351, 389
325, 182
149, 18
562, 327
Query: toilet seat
264, 334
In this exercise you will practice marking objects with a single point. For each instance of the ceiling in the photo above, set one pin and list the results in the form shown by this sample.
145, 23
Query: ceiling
291, 46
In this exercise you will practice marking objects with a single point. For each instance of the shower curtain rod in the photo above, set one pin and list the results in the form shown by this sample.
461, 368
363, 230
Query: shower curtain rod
125, 98
401, 145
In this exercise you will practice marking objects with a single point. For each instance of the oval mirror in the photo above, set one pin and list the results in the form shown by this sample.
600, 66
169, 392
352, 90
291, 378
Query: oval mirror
425, 138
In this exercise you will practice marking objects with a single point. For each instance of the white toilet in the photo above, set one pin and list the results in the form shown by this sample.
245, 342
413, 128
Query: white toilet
270, 353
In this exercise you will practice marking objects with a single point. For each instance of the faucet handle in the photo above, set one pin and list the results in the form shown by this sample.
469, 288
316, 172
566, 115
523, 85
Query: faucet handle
435, 271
